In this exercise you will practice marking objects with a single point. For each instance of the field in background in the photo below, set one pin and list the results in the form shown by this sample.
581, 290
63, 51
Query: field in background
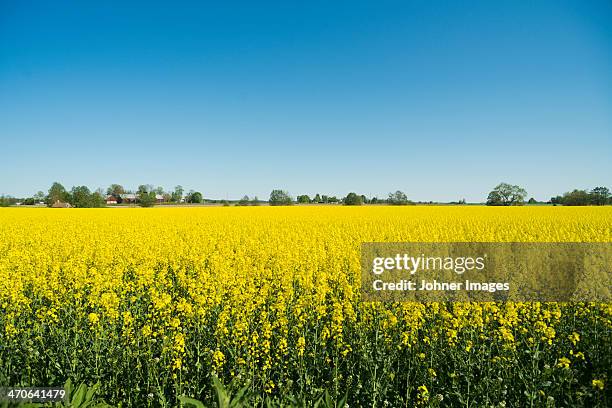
154, 303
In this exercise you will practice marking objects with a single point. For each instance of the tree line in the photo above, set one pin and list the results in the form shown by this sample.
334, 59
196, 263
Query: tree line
82, 197
146, 195
596, 196
504, 194
508, 194
282, 197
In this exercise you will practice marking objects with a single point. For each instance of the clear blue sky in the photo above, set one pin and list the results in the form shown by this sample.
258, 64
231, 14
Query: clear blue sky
442, 100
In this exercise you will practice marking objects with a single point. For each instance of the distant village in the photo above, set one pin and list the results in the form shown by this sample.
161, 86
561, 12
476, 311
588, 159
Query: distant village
131, 198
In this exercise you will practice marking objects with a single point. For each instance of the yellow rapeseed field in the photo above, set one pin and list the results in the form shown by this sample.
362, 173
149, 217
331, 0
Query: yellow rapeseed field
156, 303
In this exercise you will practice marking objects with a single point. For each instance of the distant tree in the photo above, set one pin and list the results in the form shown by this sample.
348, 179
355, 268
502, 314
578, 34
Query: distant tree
280, 197
556, 200
324, 199
159, 190
115, 190
494, 198
194, 197
97, 200
146, 199
333, 200
507, 194
244, 201
303, 199
80, 197
145, 188
39, 196
374, 200
177, 194
398, 198
532, 201
225, 203
576, 197
57, 192
29, 201
6, 201
317, 199
353, 199
600, 196
255, 201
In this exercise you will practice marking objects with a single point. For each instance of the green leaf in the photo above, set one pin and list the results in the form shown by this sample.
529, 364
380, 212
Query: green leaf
221, 393
79, 396
188, 402
92, 391
237, 400
68, 388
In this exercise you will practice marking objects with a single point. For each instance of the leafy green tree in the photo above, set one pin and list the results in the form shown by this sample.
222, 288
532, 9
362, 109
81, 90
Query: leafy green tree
5, 201
97, 199
115, 190
255, 201
398, 198
507, 194
317, 199
532, 201
194, 197
145, 188
576, 198
39, 197
146, 199
177, 194
556, 200
494, 198
57, 192
280, 197
303, 199
600, 196
353, 199
80, 197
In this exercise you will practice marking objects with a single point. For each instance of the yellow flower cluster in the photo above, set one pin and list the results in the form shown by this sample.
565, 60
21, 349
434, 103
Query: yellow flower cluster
159, 299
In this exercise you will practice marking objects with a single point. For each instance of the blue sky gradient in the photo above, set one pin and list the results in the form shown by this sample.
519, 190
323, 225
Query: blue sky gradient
442, 100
